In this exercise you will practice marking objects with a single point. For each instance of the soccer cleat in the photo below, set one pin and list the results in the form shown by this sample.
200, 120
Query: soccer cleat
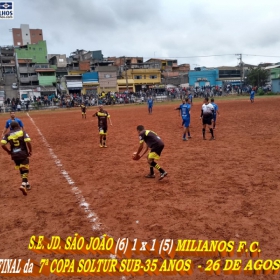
189, 137
28, 187
101, 146
22, 188
150, 176
185, 139
162, 175
105, 146
204, 138
212, 138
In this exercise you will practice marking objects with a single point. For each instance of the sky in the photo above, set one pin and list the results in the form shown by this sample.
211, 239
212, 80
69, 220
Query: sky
200, 32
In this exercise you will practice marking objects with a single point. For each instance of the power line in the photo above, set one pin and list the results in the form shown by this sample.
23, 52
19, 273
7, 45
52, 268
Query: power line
262, 55
197, 56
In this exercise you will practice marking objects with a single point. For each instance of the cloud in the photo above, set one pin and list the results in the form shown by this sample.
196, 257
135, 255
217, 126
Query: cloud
160, 28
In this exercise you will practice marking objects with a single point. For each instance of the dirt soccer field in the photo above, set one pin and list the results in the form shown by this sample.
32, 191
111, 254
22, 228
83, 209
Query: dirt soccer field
227, 189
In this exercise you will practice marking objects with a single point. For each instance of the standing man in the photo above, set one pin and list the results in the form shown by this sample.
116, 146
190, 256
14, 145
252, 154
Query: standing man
8, 123
252, 95
20, 150
84, 110
102, 116
150, 104
156, 145
216, 111
186, 117
207, 116
190, 98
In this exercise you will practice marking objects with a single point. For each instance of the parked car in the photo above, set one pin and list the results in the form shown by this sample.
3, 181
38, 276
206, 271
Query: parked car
14, 86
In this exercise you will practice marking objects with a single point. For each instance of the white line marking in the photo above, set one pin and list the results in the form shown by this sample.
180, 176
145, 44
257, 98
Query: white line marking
77, 192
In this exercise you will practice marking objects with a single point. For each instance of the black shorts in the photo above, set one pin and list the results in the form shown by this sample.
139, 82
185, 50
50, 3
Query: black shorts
157, 150
22, 163
207, 120
102, 130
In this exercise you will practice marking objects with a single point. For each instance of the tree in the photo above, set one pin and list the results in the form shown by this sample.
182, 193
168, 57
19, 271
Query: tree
257, 76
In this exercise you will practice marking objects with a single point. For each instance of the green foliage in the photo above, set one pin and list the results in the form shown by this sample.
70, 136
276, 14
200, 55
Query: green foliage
260, 91
257, 76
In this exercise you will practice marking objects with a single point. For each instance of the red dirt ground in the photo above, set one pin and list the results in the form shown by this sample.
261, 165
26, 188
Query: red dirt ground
226, 189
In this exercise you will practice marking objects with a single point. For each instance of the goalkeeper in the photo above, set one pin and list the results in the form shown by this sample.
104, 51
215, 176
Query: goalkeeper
156, 145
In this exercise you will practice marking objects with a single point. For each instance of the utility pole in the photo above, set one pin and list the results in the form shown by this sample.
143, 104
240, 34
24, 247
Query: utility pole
241, 68
126, 74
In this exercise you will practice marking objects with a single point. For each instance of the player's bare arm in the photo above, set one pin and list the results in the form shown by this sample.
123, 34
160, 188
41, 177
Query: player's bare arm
5, 130
4, 147
29, 146
110, 121
140, 148
145, 151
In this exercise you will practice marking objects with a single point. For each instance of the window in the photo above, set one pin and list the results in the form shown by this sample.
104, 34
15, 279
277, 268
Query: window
60, 59
107, 76
33, 49
153, 76
137, 77
18, 43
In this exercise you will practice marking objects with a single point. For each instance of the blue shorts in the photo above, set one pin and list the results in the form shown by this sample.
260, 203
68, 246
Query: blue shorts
215, 116
252, 97
187, 122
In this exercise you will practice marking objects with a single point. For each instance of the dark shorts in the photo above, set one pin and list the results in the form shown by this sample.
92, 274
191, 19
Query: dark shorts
22, 163
207, 120
102, 130
157, 150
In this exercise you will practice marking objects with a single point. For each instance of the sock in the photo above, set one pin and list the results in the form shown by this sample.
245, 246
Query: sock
154, 164
214, 125
189, 134
184, 135
203, 132
104, 140
24, 175
152, 170
212, 133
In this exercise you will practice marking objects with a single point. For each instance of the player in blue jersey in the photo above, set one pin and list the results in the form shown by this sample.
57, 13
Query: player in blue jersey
8, 123
183, 102
216, 111
185, 113
252, 95
150, 104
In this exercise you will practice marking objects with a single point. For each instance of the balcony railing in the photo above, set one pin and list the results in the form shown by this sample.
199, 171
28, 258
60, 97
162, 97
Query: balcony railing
26, 70
28, 79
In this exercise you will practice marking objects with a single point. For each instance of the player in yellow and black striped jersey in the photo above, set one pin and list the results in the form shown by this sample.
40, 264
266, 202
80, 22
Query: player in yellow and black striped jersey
20, 150
154, 142
102, 116
84, 111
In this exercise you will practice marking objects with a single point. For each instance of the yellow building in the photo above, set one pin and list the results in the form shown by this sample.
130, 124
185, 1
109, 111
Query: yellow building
123, 85
76, 72
144, 78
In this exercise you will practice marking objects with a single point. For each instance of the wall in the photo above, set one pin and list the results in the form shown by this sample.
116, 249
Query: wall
144, 76
36, 52
275, 85
46, 80
209, 76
